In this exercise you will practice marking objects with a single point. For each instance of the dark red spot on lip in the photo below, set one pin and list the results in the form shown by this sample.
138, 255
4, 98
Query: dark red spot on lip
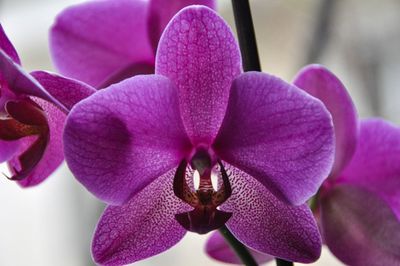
25, 118
205, 216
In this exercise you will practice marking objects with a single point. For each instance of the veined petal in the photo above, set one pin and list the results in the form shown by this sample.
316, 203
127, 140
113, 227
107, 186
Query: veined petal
162, 11
324, 85
266, 224
199, 53
20, 82
217, 248
359, 227
66, 91
121, 138
375, 165
143, 227
7, 46
53, 154
278, 134
94, 40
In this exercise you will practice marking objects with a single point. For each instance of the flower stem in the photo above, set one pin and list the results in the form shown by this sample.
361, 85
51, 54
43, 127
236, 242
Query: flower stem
281, 262
246, 35
240, 249
251, 62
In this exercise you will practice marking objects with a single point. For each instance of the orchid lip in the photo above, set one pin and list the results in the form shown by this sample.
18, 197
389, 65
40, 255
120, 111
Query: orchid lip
205, 200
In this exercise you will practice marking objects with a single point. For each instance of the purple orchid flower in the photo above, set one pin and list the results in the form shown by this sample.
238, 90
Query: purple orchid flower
137, 144
358, 205
104, 42
32, 117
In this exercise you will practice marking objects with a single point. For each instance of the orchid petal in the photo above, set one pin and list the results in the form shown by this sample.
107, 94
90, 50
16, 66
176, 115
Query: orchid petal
218, 249
324, 85
143, 227
20, 82
94, 40
266, 224
66, 91
7, 149
199, 53
7, 46
121, 138
278, 134
375, 165
162, 11
359, 228
52, 157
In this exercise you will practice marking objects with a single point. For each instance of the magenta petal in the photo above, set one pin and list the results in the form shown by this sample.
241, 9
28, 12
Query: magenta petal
376, 162
144, 227
324, 85
218, 249
53, 155
199, 53
7, 46
278, 134
20, 82
264, 223
7, 149
359, 228
66, 91
162, 11
121, 138
94, 40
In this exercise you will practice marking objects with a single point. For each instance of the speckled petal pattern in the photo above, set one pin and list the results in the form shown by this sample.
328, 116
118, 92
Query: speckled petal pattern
144, 227
217, 248
278, 134
7, 149
324, 85
359, 227
66, 91
268, 225
199, 53
53, 155
121, 138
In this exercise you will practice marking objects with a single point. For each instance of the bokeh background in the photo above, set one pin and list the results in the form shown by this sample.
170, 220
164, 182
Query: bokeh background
52, 224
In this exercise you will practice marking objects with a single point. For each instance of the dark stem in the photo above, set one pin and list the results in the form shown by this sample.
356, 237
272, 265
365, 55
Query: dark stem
281, 262
246, 35
240, 249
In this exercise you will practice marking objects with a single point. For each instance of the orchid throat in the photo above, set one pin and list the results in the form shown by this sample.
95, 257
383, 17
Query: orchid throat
205, 200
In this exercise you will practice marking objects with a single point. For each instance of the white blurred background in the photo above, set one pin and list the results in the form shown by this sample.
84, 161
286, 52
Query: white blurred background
52, 224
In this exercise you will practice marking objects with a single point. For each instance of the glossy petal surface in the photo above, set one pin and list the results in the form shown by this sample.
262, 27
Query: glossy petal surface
376, 162
218, 249
123, 137
53, 155
20, 82
266, 224
278, 134
94, 40
324, 85
199, 53
360, 228
162, 11
66, 91
144, 227
7, 46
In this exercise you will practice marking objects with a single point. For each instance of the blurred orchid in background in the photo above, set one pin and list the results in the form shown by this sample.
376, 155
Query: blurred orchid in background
104, 42
32, 116
137, 144
357, 207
